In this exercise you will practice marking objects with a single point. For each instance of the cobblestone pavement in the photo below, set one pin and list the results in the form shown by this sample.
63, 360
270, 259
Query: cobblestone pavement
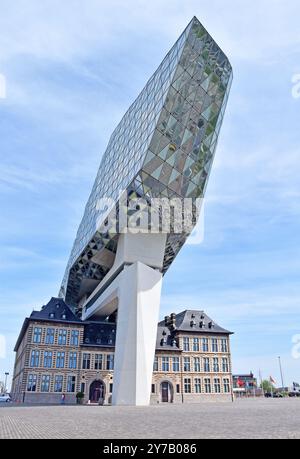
260, 418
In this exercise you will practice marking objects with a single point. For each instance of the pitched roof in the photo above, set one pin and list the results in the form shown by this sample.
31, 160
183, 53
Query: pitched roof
103, 333
165, 340
196, 321
56, 310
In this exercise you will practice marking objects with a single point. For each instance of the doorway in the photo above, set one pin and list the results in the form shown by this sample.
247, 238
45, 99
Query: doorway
97, 391
166, 392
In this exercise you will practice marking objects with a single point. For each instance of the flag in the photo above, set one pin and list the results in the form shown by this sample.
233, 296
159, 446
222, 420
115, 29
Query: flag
272, 380
240, 382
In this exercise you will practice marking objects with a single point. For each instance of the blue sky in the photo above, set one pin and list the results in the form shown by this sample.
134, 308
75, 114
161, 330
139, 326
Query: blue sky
71, 72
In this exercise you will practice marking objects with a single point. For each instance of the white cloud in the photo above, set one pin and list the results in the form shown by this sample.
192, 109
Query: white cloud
2, 86
68, 30
2, 347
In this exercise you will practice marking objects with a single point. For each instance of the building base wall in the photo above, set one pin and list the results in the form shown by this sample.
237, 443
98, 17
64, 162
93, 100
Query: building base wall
43, 399
192, 398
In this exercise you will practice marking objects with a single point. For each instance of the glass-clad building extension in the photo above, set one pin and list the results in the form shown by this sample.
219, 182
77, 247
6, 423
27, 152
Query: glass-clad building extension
163, 147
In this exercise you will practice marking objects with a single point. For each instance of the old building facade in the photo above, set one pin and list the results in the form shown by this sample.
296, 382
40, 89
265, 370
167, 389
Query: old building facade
58, 355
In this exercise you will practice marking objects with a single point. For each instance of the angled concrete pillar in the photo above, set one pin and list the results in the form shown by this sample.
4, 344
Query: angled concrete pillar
133, 287
138, 314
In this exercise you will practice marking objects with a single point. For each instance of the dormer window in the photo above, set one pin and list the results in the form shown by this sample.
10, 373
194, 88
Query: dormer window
163, 342
64, 316
52, 315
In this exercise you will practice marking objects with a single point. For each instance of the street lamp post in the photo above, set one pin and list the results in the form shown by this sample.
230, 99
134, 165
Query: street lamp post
281, 373
5, 384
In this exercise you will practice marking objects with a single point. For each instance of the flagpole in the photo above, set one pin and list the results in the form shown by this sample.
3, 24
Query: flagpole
261, 382
281, 373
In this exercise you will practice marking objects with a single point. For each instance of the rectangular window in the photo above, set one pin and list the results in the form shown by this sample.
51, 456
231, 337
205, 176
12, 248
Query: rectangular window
35, 359
197, 364
71, 384
60, 360
73, 360
37, 335
226, 386
217, 385
175, 364
98, 361
48, 359
82, 387
207, 385
224, 347
187, 386
186, 364
205, 344
58, 385
32, 382
110, 362
206, 365
62, 337
165, 364
216, 365
45, 384
178, 388
197, 385
86, 361
153, 388
74, 338
50, 336
196, 344
111, 386
155, 364
214, 345
225, 366
186, 343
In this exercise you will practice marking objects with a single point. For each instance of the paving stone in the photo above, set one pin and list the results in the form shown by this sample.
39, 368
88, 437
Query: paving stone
260, 418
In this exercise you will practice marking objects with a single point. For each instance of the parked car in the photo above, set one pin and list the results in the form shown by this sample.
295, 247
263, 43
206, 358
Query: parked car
5, 398
294, 394
268, 395
277, 395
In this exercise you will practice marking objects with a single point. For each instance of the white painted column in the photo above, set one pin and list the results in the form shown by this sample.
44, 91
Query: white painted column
138, 314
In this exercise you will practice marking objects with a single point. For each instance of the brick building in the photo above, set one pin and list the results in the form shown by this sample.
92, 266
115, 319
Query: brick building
57, 353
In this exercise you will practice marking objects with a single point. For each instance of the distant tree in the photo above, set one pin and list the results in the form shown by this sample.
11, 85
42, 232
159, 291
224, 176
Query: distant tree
267, 386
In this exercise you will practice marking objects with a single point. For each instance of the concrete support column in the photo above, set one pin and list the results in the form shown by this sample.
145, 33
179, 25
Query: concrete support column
138, 314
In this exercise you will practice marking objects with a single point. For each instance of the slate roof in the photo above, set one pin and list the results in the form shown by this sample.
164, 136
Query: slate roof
99, 334
165, 340
196, 321
56, 310
103, 334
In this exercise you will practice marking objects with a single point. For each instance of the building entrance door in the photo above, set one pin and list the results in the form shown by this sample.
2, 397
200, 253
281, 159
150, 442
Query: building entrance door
166, 392
97, 391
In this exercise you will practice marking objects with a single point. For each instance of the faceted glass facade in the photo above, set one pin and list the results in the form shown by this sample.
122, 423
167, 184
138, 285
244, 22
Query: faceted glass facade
163, 147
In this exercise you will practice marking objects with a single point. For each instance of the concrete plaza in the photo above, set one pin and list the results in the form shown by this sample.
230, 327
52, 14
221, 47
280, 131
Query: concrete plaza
260, 418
